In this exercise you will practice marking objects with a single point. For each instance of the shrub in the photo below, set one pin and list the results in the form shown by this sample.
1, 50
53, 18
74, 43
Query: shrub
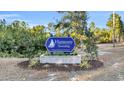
89, 50
33, 63
19, 41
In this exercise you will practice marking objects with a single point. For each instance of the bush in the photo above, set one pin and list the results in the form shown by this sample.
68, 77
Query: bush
89, 49
19, 41
103, 36
85, 65
33, 63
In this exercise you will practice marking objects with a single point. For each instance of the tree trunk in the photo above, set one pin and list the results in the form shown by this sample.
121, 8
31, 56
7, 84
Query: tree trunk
119, 39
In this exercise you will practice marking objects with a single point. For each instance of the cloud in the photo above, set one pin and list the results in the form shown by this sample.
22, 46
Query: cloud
13, 19
31, 24
2, 16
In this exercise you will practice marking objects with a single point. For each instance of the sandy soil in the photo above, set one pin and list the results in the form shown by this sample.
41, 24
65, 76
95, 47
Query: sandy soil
113, 65
113, 68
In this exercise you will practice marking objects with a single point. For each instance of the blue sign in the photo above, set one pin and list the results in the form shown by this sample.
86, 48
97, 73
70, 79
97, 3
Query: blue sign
60, 44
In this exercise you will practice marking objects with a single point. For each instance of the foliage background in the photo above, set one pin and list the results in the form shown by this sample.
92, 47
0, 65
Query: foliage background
19, 40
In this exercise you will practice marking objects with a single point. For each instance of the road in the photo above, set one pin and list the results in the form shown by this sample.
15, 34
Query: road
112, 70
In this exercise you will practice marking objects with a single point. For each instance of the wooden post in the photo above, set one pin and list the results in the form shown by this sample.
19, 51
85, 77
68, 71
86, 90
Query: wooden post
113, 29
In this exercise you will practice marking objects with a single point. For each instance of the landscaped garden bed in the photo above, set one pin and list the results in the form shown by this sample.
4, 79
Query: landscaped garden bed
60, 67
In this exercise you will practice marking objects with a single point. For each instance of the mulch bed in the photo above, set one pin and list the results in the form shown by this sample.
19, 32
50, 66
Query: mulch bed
60, 67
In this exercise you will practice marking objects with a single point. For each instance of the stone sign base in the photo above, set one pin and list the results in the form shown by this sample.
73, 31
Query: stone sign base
61, 59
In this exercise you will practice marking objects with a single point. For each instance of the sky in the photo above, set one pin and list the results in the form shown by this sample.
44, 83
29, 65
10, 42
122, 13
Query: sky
34, 18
